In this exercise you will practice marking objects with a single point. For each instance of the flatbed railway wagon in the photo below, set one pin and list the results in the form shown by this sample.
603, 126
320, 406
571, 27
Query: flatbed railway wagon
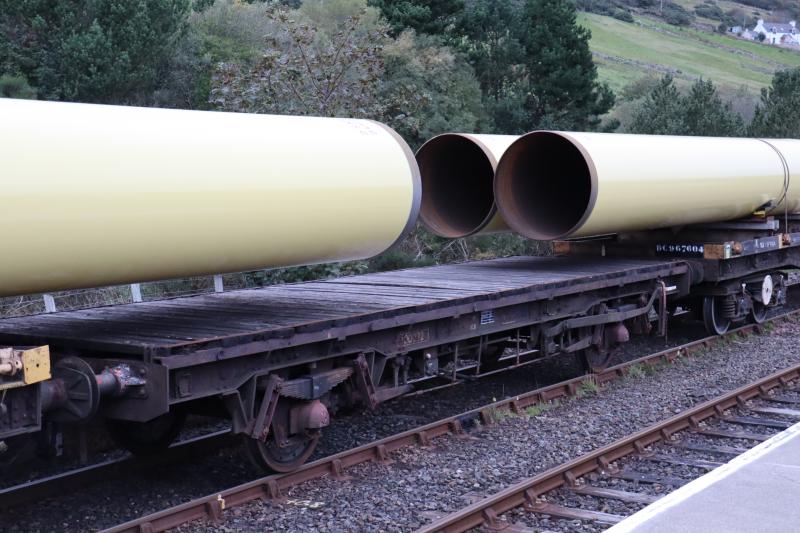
280, 360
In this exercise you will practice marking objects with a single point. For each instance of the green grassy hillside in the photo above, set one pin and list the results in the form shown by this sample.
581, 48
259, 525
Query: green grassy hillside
625, 52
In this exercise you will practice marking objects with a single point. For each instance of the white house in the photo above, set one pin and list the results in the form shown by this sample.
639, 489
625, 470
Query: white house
778, 32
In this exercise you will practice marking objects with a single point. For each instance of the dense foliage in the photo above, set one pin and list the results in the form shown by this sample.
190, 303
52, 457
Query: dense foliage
661, 108
778, 114
90, 50
424, 16
429, 89
790, 8
671, 12
355, 69
488, 34
308, 69
561, 86
421, 66
533, 62
665, 111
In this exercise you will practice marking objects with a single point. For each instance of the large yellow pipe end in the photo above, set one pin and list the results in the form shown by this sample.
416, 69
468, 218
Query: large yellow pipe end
99, 195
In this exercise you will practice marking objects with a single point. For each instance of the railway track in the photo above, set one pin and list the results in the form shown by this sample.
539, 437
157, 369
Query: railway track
45, 487
721, 429
272, 488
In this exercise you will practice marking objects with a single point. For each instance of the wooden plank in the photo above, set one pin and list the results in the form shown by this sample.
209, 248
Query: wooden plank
675, 460
714, 432
754, 421
792, 413
643, 477
313, 306
99, 326
781, 398
622, 495
574, 513
707, 448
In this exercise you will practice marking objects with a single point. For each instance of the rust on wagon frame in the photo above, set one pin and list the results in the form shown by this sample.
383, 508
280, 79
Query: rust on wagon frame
525, 493
271, 488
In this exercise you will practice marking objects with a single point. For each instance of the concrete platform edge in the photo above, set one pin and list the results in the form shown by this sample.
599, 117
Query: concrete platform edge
631, 523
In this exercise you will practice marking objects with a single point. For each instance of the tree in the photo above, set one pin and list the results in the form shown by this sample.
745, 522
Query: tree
334, 58
429, 89
660, 113
488, 33
704, 113
431, 17
778, 114
562, 86
666, 111
225, 31
90, 50
307, 71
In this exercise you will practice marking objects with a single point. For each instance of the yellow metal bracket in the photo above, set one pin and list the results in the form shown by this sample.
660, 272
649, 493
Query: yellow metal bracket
35, 364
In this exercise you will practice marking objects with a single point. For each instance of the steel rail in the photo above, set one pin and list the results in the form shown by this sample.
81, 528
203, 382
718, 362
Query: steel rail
36, 490
270, 488
525, 493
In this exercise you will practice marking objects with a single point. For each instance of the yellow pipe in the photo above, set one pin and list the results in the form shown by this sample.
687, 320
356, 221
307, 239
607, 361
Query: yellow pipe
96, 195
457, 174
553, 185
789, 150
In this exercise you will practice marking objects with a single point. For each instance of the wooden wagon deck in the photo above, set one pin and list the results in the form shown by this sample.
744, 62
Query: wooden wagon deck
321, 308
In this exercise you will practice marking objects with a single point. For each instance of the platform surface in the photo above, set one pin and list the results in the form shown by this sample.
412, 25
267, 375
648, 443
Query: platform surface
281, 310
757, 492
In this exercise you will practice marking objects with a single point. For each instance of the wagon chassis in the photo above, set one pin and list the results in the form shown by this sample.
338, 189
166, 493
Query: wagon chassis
426, 328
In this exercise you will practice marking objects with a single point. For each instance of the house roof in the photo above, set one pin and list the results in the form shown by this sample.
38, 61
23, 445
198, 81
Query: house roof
779, 27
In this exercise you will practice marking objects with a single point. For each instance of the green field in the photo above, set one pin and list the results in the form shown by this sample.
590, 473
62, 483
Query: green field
625, 52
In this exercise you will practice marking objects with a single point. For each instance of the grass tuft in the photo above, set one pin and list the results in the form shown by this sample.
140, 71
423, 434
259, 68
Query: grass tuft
637, 370
589, 387
539, 408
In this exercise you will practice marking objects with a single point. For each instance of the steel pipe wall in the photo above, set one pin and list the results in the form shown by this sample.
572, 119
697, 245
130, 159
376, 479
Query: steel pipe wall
97, 195
457, 183
553, 185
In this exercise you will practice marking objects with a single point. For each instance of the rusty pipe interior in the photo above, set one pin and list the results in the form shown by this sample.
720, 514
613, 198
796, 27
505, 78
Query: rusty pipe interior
546, 184
457, 193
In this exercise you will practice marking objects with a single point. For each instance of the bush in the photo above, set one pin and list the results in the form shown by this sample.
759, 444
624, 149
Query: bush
601, 7
623, 15
639, 88
676, 15
16, 87
396, 259
761, 4
709, 11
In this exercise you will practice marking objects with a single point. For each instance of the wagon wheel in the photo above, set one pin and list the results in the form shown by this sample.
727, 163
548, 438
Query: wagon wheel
594, 359
147, 438
716, 323
269, 456
81, 391
758, 314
